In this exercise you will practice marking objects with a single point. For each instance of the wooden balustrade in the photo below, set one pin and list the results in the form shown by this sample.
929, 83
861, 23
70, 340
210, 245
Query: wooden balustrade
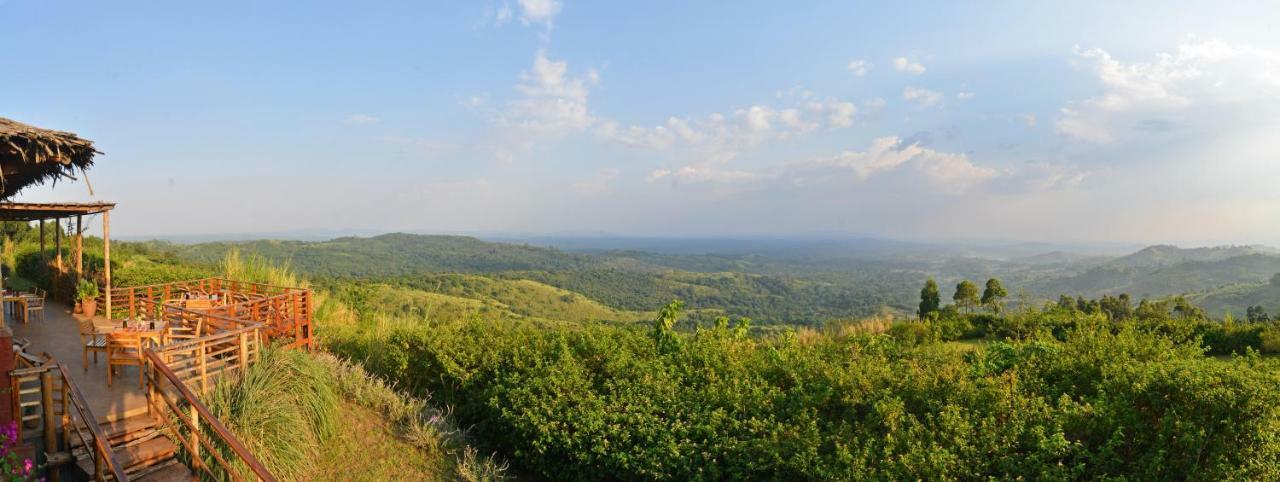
44, 387
230, 339
286, 312
198, 428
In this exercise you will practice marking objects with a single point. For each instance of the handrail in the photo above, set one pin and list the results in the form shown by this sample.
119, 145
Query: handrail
207, 279
213, 422
101, 447
287, 311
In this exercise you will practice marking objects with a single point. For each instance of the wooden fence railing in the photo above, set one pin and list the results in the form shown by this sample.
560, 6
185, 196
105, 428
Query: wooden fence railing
285, 312
226, 342
42, 391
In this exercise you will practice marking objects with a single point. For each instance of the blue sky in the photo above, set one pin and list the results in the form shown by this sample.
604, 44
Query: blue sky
1081, 121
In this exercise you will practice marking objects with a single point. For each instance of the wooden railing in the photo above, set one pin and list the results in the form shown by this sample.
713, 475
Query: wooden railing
42, 387
199, 427
228, 341
286, 312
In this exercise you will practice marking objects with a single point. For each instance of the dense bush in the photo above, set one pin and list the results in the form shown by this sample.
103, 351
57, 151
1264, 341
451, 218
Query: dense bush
1070, 399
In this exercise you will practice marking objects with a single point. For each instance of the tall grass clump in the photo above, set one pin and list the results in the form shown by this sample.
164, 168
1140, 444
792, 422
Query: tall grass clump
257, 269
283, 408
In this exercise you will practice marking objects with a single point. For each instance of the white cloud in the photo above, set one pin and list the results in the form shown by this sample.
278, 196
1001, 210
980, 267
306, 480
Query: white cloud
949, 171
538, 11
965, 96
904, 65
361, 119
718, 137
888, 163
1158, 95
1028, 119
859, 67
921, 97
554, 105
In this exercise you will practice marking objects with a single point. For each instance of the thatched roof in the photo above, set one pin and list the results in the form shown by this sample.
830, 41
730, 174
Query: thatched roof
31, 156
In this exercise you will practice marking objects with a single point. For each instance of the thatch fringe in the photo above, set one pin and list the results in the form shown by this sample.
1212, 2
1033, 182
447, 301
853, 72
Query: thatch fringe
32, 156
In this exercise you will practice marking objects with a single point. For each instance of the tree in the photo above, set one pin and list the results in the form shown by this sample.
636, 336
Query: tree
1066, 302
1187, 310
993, 296
664, 324
966, 295
1117, 308
1256, 314
930, 300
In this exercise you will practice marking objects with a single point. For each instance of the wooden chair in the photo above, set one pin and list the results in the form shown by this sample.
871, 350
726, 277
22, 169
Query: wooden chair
35, 304
91, 341
190, 328
125, 349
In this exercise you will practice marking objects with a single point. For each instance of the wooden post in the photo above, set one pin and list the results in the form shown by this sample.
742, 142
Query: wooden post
195, 438
204, 367
244, 352
79, 249
50, 420
57, 239
66, 415
106, 256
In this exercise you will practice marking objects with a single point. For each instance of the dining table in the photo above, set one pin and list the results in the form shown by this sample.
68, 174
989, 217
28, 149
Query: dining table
16, 303
154, 332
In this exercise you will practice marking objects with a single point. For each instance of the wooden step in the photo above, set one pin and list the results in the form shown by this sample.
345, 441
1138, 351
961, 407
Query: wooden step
136, 457
123, 431
173, 471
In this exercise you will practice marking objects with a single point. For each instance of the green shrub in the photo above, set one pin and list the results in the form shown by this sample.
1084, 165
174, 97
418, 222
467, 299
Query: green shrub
86, 290
1079, 399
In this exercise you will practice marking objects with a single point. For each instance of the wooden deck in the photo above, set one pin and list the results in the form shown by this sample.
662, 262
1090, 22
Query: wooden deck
59, 335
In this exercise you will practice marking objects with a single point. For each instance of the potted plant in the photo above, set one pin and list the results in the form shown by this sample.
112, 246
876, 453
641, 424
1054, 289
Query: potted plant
86, 297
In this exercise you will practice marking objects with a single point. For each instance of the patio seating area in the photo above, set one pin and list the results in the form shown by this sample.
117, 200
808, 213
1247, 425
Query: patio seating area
59, 336
167, 343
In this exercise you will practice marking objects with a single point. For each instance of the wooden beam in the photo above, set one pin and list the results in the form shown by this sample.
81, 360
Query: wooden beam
106, 255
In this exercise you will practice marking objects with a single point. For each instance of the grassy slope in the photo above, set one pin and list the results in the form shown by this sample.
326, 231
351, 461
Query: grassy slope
366, 448
490, 298
1237, 298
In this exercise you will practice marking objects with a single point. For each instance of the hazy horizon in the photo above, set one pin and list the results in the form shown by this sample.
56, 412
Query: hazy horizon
1099, 123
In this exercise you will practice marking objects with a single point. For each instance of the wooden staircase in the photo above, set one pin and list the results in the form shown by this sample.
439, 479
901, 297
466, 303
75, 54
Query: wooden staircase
144, 452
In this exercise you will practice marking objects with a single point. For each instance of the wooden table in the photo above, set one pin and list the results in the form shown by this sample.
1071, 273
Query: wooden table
12, 303
155, 335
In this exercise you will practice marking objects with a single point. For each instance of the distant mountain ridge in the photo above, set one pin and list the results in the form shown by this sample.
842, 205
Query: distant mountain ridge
773, 279
1167, 255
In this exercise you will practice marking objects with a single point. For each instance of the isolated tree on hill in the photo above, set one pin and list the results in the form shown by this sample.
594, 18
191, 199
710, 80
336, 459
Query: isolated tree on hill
930, 300
1256, 314
993, 296
1187, 310
966, 295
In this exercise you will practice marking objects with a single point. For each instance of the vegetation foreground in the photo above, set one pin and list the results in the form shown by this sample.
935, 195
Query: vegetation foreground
1077, 389
1073, 396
